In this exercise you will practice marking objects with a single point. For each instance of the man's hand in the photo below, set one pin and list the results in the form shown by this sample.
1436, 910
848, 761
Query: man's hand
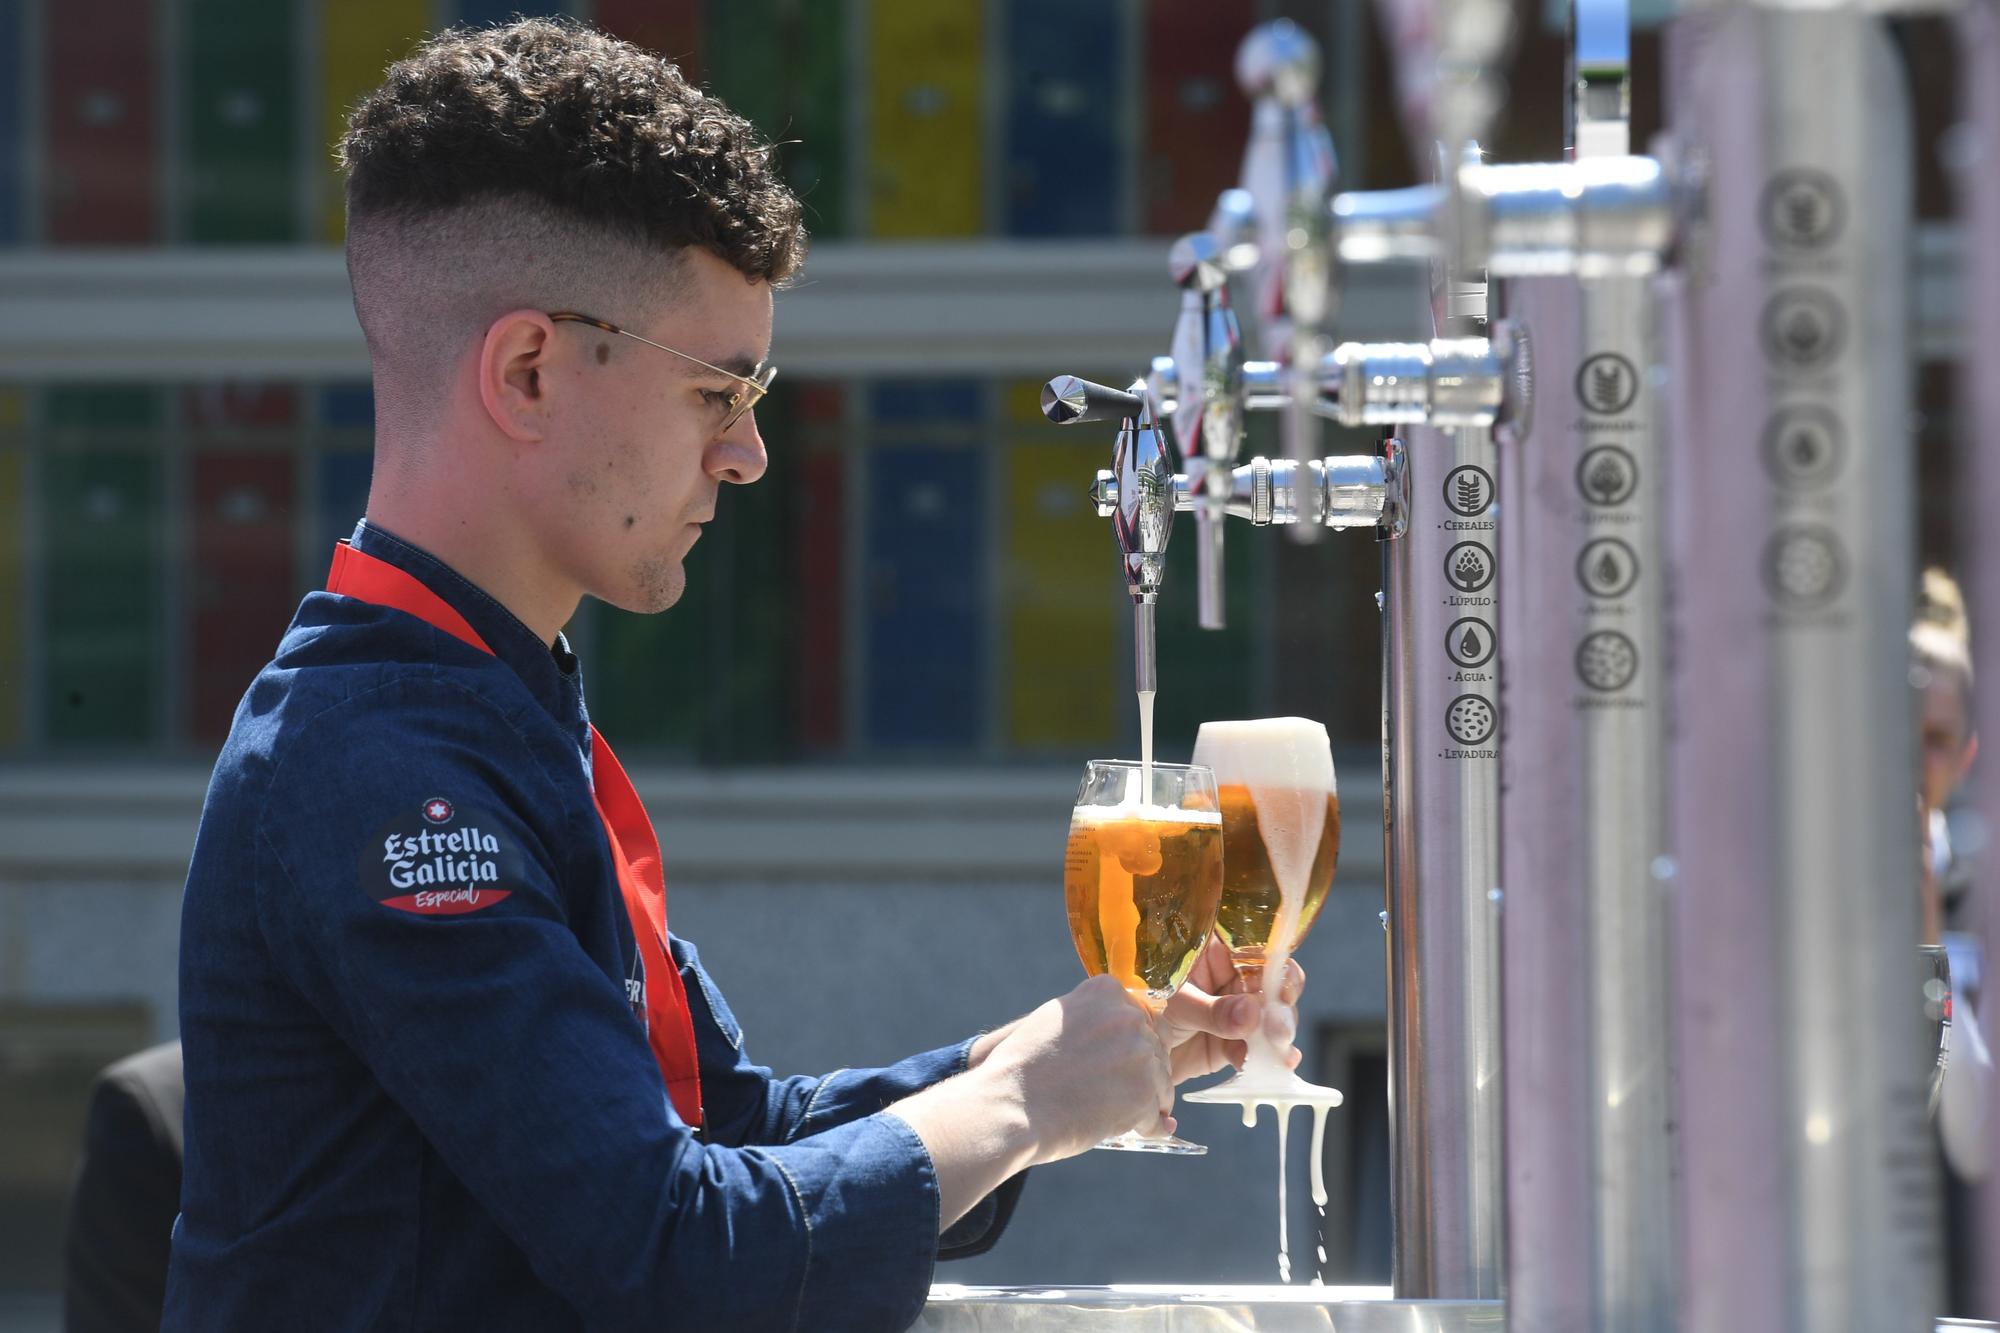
1088, 1064
1208, 1019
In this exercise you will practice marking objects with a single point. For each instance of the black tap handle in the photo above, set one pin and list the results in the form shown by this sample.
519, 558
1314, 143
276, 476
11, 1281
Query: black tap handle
1067, 400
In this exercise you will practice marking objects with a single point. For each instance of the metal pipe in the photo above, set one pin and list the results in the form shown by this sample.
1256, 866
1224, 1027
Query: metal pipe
1441, 781
1810, 1175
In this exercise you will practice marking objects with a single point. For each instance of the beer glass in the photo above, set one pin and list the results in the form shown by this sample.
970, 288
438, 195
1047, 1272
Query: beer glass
1280, 840
1141, 877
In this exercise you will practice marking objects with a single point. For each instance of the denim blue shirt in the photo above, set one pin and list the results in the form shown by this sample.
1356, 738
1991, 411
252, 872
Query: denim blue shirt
405, 1117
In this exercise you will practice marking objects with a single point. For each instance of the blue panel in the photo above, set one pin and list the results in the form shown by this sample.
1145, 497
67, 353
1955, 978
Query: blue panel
926, 400
1063, 110
348, 406
925, 600
13, 123
343, 497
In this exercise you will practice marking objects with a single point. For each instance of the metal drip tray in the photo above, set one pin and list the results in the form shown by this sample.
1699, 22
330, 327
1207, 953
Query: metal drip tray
1141, 1309
1144, 1309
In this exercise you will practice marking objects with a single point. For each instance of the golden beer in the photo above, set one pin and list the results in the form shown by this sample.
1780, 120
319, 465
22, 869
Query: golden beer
1141, 885
1248, 913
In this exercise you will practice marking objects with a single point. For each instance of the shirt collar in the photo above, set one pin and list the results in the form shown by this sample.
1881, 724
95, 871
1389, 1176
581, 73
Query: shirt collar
549, 670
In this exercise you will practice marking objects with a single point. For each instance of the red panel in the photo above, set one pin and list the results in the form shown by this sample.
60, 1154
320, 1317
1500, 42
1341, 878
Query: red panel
1197, 119
102, 170
226, 404
820, 659
670, 27
242, 581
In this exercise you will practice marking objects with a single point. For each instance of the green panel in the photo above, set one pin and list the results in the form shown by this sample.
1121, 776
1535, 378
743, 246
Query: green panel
711, 674
117, 407
746, 60
1206, 674
13, 570
239, 122
817, 166
101, 513
647, 680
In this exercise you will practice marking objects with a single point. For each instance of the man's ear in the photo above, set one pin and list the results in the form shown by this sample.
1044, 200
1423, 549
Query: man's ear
513, 363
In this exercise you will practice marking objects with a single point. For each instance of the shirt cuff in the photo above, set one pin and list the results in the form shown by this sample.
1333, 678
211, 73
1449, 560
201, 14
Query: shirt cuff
869, 1193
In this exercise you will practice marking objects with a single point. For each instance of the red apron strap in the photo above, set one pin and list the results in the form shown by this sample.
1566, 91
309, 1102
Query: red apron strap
635, 848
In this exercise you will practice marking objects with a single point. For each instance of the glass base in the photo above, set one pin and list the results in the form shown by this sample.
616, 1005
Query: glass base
1281, 1086
1130, 1141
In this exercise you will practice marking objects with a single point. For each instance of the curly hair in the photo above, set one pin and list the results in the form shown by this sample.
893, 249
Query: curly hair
592, 127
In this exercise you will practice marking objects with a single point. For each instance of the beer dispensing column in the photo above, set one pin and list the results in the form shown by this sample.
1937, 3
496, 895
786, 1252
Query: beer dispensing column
1591, 1167
1809, 1172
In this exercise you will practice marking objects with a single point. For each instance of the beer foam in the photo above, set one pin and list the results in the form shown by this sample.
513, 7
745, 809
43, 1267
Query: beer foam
1274, 752
1158, 814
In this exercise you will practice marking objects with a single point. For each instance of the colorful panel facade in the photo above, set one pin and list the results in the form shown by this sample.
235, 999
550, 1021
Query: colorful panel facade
101, 125
358, 40
926, 158
1063, 101
239, 181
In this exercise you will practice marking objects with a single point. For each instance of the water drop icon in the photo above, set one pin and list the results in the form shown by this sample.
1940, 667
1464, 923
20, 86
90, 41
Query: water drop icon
1468, 646
1606, 572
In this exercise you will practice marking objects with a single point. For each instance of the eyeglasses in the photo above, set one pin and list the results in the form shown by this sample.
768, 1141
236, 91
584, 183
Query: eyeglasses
755, 385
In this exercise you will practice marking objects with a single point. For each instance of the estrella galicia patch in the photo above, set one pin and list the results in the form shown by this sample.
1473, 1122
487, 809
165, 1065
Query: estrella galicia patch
439, 858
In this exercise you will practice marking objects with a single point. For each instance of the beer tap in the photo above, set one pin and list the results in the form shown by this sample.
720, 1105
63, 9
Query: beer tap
1289, 171
1145, 491
1208, 422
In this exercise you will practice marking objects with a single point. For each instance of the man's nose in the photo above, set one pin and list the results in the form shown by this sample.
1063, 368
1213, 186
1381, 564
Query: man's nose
739, 456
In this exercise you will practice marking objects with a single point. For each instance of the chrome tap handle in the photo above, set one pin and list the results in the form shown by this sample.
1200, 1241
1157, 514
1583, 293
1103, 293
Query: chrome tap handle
1208, 415
1352, 491
1067, 399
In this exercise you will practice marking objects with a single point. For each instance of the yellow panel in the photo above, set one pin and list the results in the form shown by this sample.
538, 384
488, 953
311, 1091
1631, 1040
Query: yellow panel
13, 409
13, 584
1021, 403
1063, 597
925, 143
358, 40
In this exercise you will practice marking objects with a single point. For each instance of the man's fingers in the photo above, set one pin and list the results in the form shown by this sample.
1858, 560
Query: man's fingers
1194, 1010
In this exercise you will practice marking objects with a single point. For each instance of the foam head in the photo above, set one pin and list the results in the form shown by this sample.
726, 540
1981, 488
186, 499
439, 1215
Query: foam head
1271, 753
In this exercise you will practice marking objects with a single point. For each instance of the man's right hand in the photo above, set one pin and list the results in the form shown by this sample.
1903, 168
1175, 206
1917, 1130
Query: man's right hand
1085, 1066
1052, 1083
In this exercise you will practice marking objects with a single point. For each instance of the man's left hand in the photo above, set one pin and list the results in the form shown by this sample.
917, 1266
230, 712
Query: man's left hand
1209, 1017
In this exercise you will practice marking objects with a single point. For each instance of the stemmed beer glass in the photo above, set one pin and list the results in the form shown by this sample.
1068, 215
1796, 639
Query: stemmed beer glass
1141, 876
1281, 839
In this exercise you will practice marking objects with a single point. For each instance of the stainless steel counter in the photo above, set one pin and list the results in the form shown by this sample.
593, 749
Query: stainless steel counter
1142, 1309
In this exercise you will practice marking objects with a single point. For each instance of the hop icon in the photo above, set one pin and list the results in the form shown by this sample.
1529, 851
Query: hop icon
1470, 571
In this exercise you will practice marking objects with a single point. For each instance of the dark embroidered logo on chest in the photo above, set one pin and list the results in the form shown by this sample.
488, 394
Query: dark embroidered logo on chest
440, 859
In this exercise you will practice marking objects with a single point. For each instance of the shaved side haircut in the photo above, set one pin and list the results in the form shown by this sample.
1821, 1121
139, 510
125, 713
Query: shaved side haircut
541, 164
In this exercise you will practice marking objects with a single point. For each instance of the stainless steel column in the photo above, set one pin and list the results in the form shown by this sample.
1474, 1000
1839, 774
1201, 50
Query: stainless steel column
1979, 446
1810, 1173
1440, 773
1591, 1161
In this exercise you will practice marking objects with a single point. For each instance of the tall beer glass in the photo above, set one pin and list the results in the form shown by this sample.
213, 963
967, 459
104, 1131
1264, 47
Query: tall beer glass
1141, 877
1281, 839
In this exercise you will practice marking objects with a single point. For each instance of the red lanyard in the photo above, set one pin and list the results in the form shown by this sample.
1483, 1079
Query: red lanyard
635, 848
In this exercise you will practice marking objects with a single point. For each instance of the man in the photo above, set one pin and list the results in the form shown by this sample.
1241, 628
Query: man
126, 1193
432, 1079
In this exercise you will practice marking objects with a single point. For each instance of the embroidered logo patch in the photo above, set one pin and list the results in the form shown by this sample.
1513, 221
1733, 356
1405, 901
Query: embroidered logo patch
439, 860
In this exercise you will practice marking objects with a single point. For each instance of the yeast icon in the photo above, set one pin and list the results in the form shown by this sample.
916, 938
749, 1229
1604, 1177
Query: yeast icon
440, 859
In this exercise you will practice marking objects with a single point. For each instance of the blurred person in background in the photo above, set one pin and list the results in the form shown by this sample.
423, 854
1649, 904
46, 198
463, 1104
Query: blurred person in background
128, 1189
445, 1066
1941, 672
